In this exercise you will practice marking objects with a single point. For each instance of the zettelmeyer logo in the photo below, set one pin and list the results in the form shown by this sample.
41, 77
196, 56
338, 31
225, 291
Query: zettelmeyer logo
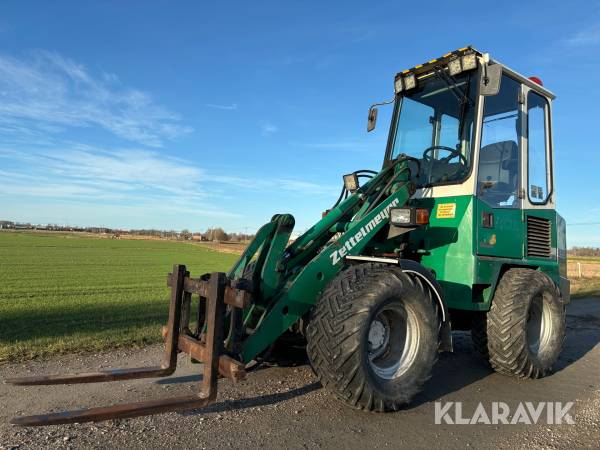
364, 231
500, 413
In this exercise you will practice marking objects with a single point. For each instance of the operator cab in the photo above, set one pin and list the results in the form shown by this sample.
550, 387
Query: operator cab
464, 120
433, 123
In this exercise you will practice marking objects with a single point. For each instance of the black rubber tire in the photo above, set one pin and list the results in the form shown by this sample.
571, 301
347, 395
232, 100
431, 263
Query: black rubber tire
506, 324
337, 336
479, 334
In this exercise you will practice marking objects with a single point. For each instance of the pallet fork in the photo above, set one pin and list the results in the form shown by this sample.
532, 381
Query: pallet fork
205, 344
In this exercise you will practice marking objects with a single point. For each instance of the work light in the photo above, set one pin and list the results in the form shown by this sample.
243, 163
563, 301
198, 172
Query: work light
469, 61
410, 81
454, 67
351, 182
398, 85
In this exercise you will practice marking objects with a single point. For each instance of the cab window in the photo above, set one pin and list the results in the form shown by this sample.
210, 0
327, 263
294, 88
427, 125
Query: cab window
537, 145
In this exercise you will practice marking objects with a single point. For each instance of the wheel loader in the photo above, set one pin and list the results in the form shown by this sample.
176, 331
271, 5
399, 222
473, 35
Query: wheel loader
457, 231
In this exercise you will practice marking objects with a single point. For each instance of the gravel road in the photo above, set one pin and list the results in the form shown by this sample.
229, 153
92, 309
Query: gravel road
285, 407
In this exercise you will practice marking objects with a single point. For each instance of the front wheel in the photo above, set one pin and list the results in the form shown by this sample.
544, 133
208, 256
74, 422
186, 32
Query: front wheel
373, 337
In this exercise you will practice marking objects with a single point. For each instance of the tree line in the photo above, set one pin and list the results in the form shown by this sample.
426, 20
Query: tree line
211, 234
585, 251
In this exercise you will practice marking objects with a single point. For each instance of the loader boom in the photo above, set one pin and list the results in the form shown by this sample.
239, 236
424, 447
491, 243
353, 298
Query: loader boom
285, 282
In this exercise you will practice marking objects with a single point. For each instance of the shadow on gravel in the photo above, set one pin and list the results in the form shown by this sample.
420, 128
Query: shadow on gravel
457, 370
178, 380
583, 330
452, 372
263, 400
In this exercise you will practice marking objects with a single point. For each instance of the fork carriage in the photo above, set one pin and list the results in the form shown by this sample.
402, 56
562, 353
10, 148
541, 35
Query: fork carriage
215, 292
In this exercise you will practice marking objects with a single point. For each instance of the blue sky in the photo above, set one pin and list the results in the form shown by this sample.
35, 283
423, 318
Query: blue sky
189, 115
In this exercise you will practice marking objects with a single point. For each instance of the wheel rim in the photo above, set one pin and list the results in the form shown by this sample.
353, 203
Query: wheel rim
539, 324
393, 341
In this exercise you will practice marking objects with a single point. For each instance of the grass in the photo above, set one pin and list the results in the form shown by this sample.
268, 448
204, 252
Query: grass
586, 287
589, 284
64, 293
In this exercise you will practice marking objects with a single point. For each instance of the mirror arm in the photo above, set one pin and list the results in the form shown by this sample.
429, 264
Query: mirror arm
372, 120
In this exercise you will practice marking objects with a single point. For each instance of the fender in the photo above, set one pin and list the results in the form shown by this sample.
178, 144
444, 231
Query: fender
415, 269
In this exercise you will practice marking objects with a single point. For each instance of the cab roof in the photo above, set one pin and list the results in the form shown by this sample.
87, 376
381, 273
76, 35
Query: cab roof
443, 61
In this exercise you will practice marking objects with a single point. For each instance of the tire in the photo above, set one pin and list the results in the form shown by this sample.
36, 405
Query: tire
357, 331
479, 335
525, 326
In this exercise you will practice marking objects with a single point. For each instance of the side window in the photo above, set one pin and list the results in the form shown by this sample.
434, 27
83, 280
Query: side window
498, 172
537, 161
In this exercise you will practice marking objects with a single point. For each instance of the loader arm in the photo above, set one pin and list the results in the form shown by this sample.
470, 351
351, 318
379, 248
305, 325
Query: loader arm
281, 289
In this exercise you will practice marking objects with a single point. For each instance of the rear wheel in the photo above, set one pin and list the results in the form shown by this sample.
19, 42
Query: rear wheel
373, 337
525, 327
479, 334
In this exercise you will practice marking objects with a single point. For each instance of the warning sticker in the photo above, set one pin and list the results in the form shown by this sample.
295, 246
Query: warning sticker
446, 211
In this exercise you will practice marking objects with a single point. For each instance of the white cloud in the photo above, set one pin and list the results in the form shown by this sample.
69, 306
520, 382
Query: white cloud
134, 177
48, 90
267, 129
342, 145
85, 172
47, 177
586, 37
231, 107
273, 184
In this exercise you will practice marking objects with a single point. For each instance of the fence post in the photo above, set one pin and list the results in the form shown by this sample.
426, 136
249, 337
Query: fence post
579, 269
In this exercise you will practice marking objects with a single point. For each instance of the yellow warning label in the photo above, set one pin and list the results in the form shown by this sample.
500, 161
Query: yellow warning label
446, 211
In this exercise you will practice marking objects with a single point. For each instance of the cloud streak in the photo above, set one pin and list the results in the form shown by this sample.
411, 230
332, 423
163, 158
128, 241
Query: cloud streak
267, 129
48, 91
586, 37
49, 175
231, 107
86, 174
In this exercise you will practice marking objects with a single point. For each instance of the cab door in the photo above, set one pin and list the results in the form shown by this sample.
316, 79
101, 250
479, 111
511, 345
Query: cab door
539, 207
499, 225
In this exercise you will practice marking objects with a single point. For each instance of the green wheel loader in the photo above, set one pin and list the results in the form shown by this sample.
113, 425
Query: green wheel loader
457, 231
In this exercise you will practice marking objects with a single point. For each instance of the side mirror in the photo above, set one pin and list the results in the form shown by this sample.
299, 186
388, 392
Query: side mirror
372, 120
489, 79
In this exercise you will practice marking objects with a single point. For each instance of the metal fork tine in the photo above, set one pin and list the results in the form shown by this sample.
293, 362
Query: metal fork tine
170, 358
123, 411
211, 353
91, 377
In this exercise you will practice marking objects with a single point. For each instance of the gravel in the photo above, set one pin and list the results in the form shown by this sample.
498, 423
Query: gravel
286, 406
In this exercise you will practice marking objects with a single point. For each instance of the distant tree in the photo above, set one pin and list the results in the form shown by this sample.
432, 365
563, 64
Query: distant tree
216, 234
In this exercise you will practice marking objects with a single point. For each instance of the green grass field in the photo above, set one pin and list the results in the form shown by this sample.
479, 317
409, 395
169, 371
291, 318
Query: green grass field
66, 293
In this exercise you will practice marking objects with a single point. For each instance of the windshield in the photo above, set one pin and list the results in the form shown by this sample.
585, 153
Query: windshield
434, 125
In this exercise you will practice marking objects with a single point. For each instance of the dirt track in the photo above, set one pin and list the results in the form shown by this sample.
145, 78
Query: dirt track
286, 407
